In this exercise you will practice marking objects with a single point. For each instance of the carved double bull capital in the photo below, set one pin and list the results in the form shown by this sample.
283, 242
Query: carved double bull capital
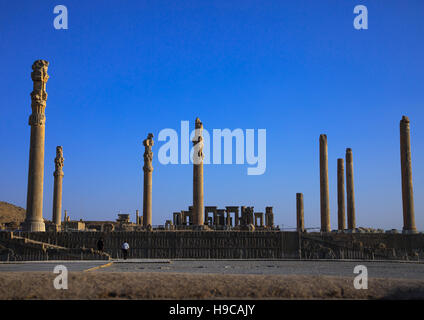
148, 154
39, 77
39, 72
37, 119
58, 162
198, 143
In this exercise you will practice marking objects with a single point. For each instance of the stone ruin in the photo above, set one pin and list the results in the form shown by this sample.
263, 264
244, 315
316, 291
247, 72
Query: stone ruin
230, 218
240, 219
197, 217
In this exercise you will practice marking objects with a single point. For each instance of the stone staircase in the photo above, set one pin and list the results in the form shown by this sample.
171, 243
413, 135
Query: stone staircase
18, 248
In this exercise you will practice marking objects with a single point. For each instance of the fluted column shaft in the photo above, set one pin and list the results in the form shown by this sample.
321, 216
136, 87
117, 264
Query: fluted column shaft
341, 213
350, 191
406, 167
300, 213
324, 189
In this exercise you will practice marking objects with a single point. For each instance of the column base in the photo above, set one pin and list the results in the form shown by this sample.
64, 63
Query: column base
201, 227
351, 230
52, 227
34, 226
409, 231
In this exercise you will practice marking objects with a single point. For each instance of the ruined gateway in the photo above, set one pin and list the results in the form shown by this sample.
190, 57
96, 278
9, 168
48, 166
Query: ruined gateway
228, 233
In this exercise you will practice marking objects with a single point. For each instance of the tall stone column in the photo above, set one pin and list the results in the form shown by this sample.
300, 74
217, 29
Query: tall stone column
351, 219
198, 174
407, 191
299, 213
228, 220
341, 213
34, 210
147, 188
137, 218
324, 189
57, 191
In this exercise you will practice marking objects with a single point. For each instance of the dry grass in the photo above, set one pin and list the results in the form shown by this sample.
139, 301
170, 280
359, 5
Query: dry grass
133, 285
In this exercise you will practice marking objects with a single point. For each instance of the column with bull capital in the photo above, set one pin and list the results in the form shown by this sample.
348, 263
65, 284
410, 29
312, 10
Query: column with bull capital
34, 209
57, 191
147, 189
198, 174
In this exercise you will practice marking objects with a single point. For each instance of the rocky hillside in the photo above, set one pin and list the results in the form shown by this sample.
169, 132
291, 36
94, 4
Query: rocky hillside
10, 212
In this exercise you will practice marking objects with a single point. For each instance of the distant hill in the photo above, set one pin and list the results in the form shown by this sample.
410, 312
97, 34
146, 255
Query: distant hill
10, 212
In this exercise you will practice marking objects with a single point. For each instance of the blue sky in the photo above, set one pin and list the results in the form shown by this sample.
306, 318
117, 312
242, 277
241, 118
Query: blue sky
295, 68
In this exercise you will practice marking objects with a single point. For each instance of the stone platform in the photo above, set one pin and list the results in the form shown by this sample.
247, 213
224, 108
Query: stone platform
219, 245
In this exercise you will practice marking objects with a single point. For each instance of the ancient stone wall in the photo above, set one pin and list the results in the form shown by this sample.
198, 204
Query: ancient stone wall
220, 245
183, 244
368, 246
16, 248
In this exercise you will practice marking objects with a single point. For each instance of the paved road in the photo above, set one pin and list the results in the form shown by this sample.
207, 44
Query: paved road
49, 266
398, 270
392, 270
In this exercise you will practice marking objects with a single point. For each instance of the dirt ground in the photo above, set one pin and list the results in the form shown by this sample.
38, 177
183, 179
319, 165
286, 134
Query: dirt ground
134, 285
9, 212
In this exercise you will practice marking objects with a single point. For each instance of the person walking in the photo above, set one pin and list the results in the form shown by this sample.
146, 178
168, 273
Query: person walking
100, 245
125, 248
